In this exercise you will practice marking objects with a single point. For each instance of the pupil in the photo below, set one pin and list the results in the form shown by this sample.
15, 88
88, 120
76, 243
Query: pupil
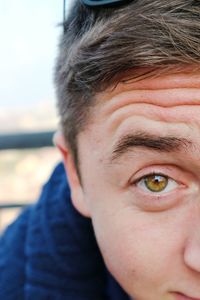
157, 180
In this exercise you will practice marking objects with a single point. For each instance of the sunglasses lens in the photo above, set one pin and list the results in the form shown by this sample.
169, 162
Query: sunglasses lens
103, 2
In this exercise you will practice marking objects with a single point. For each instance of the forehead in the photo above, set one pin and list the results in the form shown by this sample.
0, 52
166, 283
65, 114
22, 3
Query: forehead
146, 79
171, 89
164, 105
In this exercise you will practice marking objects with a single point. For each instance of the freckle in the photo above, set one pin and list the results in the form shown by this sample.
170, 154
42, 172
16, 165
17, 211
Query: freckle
134, 273
100, 160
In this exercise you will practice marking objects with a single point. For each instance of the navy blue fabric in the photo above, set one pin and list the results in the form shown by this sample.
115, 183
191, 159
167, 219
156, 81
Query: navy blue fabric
50, 252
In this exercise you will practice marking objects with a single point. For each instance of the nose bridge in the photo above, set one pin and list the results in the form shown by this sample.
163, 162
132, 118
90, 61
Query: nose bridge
192, 247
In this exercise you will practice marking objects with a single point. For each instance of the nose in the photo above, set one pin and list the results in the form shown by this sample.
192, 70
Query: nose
192, 251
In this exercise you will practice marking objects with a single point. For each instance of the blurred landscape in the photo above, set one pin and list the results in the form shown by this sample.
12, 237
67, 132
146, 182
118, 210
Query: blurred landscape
30, 33
23, 172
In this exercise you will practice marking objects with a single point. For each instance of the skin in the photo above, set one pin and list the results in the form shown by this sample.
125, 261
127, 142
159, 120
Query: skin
150, 241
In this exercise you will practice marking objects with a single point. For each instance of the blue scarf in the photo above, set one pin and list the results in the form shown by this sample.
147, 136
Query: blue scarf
50, 252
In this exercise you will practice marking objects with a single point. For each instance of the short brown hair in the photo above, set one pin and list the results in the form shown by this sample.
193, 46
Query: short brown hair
100, 44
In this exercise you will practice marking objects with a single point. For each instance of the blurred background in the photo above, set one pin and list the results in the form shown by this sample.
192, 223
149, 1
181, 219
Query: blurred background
29, 31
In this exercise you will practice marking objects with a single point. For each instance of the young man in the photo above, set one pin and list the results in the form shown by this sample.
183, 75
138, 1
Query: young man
128, 85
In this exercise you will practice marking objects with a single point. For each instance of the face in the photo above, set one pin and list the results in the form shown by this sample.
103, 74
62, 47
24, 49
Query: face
140, 168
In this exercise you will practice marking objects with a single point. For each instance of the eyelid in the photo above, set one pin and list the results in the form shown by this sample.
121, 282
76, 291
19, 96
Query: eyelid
156, 202
170, 171
150, 174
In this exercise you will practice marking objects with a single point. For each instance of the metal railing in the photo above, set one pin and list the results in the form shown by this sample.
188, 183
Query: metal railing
26, 140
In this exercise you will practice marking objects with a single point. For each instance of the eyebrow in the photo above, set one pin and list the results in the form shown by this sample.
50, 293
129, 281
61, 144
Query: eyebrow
145, 140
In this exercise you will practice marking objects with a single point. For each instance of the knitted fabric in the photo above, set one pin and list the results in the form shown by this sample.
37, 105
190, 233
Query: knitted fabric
50, 252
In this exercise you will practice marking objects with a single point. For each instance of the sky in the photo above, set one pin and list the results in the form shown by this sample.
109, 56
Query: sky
29, 38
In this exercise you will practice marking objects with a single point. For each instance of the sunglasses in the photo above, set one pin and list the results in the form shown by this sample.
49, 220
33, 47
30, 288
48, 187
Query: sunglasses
96, 3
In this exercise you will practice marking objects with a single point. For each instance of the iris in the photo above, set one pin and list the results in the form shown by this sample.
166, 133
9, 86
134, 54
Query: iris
156, 183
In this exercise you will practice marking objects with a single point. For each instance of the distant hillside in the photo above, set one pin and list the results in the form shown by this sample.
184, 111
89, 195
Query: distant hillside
22, 173
39, 117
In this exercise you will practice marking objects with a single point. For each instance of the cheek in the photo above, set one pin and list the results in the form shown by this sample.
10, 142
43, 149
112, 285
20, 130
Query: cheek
135, 249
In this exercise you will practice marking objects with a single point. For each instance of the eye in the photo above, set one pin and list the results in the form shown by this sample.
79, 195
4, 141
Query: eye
156, 183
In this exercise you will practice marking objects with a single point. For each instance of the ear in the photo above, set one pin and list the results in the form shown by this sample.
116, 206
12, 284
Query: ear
77, 193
